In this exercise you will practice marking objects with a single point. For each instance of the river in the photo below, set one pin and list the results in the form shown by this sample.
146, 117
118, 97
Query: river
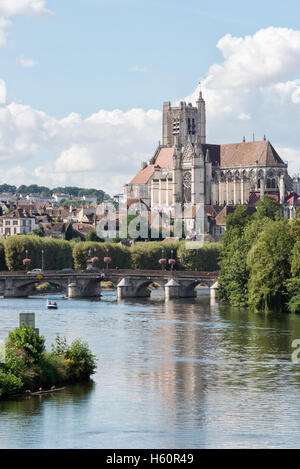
181, 374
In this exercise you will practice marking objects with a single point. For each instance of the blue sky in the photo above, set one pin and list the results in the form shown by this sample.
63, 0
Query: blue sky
106, 55
85, 52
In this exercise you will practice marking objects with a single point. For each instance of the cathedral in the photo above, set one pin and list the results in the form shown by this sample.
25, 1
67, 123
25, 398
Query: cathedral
187, 171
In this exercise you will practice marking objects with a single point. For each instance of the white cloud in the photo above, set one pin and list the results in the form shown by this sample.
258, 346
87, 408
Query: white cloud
10, 8
2, 92
26, 63
138, 69
4, 24
24, 7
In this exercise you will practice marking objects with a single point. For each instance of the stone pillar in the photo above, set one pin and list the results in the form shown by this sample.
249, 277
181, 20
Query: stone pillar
74, 290
262, 189
167, 191
220, 202
234, 192
152, 193
227, 191
242, 190
159, 192
129, 288
213, 293
282, 189
172, 289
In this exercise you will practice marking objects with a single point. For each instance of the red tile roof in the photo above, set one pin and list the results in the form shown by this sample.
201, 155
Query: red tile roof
143, 175
249, 154
165, 158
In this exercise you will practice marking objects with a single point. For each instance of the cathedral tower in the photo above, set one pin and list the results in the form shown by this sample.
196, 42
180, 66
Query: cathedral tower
184, 122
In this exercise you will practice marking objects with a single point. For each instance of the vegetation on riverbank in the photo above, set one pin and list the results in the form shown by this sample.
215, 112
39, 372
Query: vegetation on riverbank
60, 254
260, 262
28, 366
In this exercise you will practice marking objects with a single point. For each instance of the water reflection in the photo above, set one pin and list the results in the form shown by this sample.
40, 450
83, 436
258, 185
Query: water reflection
176, 374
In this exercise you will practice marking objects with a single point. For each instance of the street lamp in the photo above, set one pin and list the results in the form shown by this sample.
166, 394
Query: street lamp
163, 260
172, 262
107, 259
42, 259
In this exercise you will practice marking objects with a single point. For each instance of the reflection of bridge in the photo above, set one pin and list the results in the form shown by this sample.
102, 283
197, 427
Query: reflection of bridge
129, 283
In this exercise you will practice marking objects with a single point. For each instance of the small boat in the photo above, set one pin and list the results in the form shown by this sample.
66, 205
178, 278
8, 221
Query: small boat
51, 303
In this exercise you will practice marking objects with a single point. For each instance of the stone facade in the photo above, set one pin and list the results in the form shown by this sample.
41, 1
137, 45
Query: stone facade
186, 171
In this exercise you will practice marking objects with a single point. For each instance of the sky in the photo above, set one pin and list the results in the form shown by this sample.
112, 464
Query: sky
82, 82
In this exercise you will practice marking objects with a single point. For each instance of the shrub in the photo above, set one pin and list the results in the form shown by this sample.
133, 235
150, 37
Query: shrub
203, 259
9, 384
82, 363
28, 340
120, 255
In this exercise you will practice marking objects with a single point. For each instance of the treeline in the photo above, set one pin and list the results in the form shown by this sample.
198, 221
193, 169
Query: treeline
59, 254
46, 192
260, 259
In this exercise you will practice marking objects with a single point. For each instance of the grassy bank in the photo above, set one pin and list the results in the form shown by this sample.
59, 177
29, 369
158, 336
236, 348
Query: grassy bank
29, 367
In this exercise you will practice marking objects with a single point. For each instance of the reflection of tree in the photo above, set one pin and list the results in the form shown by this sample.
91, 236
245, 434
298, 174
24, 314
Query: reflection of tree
257, 346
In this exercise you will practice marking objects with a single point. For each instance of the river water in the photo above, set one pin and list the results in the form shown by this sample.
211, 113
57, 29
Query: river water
181, 374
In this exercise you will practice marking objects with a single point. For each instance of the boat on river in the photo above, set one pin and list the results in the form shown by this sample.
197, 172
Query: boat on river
52, 303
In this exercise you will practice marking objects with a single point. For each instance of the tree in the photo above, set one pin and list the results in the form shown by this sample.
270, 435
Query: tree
69, 233
269, 267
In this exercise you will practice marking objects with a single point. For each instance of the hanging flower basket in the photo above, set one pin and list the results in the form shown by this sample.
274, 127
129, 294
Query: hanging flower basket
107, 260
95, 260
26, 262
172, 262
162, 261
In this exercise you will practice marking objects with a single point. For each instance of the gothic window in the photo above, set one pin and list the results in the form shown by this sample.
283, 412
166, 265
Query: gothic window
187, 186
189, 127
273, 184
193, 127
176, 126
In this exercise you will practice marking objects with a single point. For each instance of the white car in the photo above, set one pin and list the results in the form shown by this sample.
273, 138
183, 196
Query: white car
35, 272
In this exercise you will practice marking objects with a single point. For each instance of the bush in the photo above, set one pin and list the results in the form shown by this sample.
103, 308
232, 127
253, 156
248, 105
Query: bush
120, 255
29, 341
145, 256
82, 363
9, 384
28, 366
204, 259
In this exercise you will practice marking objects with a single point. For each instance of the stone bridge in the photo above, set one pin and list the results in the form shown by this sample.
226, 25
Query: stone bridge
129, 283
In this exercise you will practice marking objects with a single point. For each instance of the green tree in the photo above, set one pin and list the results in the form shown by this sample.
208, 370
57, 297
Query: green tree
269, 267
69, 233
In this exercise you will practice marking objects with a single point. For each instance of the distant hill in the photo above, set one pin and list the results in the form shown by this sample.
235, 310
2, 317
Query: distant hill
46, 192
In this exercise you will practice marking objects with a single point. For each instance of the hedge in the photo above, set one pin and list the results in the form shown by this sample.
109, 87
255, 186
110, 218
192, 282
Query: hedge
57, 253
120, 255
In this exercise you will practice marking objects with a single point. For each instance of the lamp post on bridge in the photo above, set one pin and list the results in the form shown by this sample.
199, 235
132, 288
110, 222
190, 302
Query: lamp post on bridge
26, 261
43, 259
172, 262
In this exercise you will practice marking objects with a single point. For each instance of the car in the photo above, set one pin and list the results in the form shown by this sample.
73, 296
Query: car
35, 271
64, 271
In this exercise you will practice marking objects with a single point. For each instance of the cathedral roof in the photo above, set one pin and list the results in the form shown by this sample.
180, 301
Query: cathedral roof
165, 157
249, 154
143, 175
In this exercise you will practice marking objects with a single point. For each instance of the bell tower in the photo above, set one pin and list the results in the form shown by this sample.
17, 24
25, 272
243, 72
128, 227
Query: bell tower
184, 122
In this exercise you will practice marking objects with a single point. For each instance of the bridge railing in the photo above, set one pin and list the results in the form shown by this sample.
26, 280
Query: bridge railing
118, 273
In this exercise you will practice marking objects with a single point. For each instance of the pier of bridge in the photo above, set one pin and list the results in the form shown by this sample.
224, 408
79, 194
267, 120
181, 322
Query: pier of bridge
129, 283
